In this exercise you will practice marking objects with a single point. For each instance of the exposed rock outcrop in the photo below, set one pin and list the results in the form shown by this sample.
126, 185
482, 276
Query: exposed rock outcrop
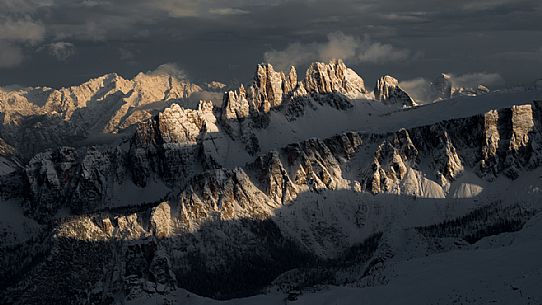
479, 90
331, 84
387, 90
246, 109
216, 86
511, 139
236, 212
441, 87
164, 152
334, 77
266, 92
161, 222
49, 118
169, 146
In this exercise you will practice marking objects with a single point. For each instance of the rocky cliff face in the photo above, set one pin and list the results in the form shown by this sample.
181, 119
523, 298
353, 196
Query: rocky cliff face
510, 140
266, 92
387, 90
422, 161
163, 153
334, 77
331, 84
247, 108
441, 87
271, 89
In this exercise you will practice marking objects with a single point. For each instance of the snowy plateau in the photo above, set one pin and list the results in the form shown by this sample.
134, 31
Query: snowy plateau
290, 189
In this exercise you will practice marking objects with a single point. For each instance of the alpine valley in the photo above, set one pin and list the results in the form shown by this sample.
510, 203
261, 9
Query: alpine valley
298, 188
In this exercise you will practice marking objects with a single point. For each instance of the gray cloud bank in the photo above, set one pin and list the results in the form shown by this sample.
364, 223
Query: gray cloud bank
63, 42
338, 46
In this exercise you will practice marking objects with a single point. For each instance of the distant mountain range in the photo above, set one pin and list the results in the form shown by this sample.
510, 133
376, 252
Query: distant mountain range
299, 189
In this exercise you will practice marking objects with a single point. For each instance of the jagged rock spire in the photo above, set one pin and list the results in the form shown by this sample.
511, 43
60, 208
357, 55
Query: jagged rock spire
441, 87
334, 77
387, 90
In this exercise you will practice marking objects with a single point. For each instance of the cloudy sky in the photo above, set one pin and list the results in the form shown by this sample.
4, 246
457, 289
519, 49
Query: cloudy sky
64, 42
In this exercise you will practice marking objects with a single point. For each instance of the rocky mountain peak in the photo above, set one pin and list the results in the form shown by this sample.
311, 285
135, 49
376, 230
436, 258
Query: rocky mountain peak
106, 104
478, 90
445, 87
334, 77
290, 81
387, 90
331, 84
268, 86
156, 86
271, 88
142, 215
216, 86
264, 93
184, 126
441, 87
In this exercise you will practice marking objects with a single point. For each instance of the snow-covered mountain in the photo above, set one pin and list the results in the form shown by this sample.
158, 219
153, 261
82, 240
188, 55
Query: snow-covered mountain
123, 192
45, 117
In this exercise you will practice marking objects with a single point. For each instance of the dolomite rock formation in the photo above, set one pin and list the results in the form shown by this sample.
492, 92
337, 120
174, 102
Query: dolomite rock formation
237, 212
163, 152
216, 86
479, 90
184, 126
245, 109
168, 147
422, 161
161, 223
334, 77
273, 178
331, 84
171, 203
271, 89
47, 117
444, 87
387, 90
441, 87
510, 140
265, 93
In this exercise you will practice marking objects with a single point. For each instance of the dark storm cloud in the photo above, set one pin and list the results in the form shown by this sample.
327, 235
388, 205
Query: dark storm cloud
60, 50
224, 40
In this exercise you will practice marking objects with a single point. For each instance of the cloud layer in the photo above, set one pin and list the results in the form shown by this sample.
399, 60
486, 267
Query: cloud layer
14, 34
10, 56
60, 50
226, 39
338, 46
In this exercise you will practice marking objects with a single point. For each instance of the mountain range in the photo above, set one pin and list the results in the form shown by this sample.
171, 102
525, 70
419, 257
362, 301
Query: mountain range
291, 188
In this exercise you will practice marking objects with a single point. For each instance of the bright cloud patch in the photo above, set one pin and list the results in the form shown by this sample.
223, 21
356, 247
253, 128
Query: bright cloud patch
338, 45
60, 50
